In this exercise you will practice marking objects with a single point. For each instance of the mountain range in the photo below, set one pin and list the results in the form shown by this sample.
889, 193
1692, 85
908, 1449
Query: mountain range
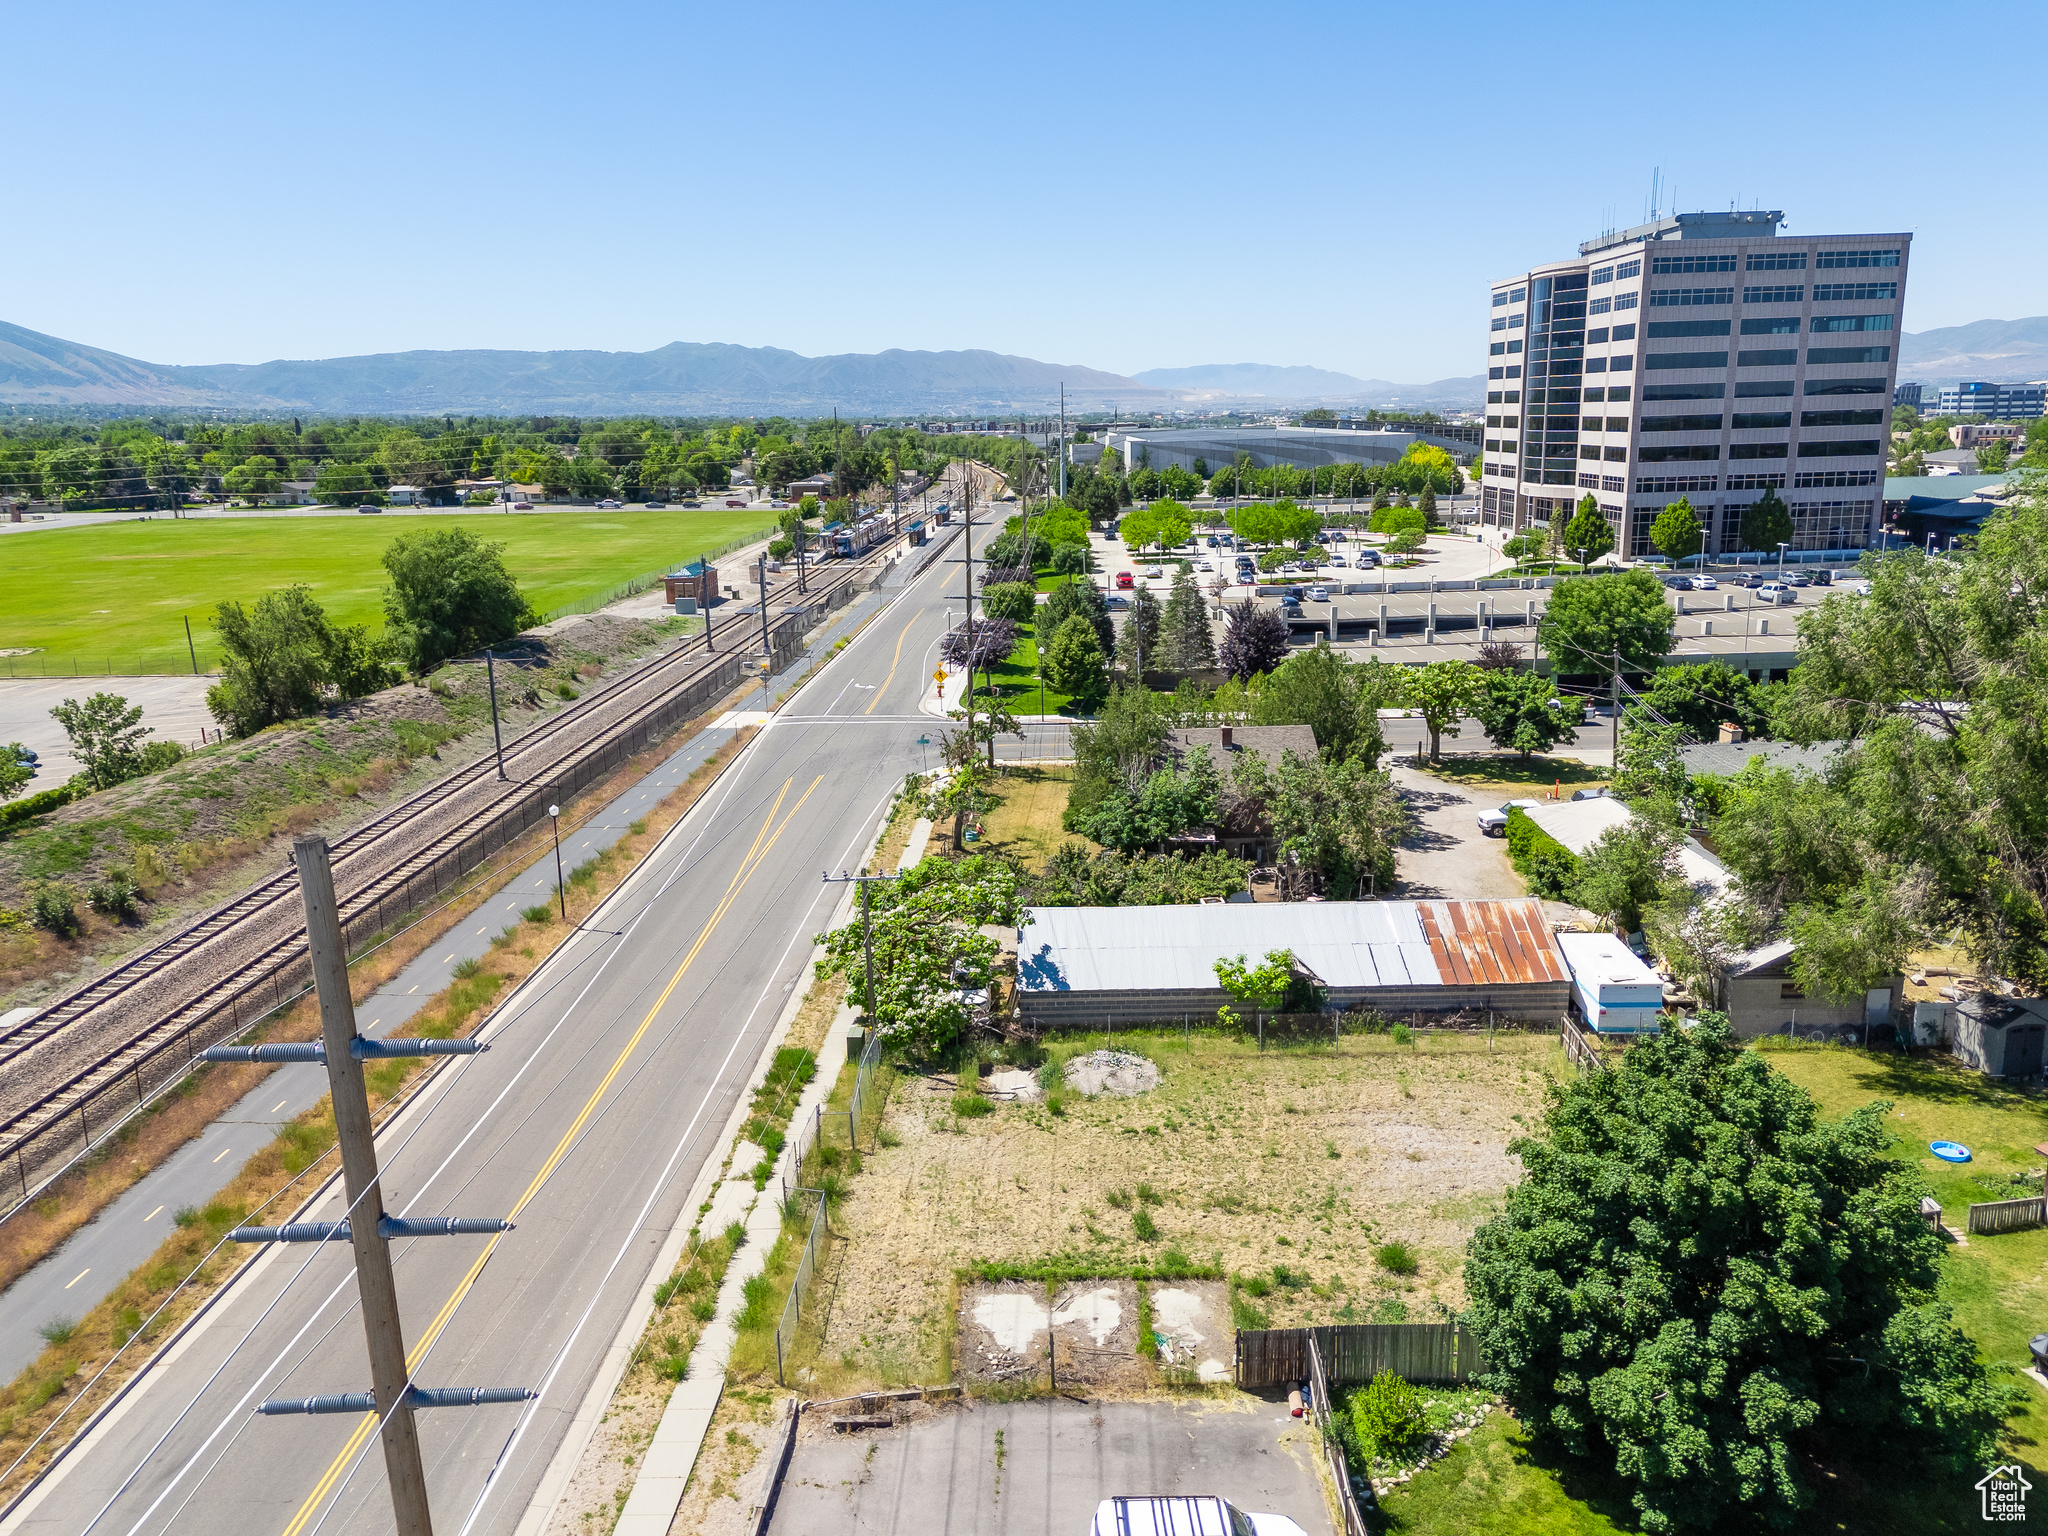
682, 378
714, 378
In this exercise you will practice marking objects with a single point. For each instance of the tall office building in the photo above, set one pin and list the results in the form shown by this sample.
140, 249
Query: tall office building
1994, 402
1703, 355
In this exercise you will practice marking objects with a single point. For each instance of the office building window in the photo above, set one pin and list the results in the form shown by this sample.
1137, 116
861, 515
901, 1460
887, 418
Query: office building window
1596, 365
1666, 330
1494, 421
1493, 373
1782, 325
1616, 456
1820, 356
1517, 296
1628, 269
1625, 300
1684, 391
1664, 485
1619, 392
1666, 264
1500, 322
1602, 275
1492, 398
1847, 448
1857, 259
1512, 397
1596, 337
1589, 423
1667, 298
1757, 482
1773, 358
1589, 450
1515, 344
1831, 524
1763, 389
1676, 455
1613, 482
1852, 322
1514, 370
1686, 360
1776, 261
1845, 386
1617, 423
1698, 423
1783, 293
1817, 478
1500, 300
1497, 348
1601, 305
1515, 322
1756, 451
1595, 394
1620, 364
1511, 421
1624, 333
1841, 418
1589, 482
1825, 293
1761, 421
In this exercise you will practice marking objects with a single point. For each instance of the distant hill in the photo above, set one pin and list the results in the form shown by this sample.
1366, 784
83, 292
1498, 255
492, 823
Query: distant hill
679, 379
2002, 351
1221, 382
682, 378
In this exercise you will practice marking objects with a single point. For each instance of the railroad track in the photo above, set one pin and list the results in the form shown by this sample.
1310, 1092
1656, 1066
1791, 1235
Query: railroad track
383, 854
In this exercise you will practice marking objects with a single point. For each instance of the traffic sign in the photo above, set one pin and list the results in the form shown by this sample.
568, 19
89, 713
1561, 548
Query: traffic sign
939, 676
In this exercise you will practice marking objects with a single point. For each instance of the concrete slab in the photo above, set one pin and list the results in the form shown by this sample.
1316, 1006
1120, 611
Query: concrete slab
174, 709
1044, 1465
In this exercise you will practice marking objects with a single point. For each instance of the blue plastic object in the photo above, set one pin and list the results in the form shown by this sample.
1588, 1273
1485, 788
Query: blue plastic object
1949, 1151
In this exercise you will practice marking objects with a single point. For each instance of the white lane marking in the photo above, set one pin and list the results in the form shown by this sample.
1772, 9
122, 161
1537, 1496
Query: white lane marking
224, 1151
280, 1104
152, 1216
77, 1277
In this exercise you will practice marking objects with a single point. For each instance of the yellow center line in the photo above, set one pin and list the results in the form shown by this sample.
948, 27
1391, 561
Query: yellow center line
893, 664
757, 854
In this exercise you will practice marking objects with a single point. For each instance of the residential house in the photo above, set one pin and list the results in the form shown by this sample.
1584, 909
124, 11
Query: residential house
1224, 745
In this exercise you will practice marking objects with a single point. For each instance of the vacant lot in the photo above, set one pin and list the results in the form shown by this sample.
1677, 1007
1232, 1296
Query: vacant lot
117, 594
1289, 1168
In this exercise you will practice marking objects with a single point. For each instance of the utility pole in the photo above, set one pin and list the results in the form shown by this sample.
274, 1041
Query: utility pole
704, 585
1063, 442
366, 1228
766, 655
863, 880
491, 677
1615, 694
191, 649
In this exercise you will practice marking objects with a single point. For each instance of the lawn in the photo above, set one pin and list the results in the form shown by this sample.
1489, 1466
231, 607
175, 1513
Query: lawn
1509, 776
114, 596
1025, 818
1492, 1485
1017, 681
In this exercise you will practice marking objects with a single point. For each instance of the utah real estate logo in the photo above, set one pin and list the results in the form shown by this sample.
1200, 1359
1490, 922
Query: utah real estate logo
2004, 1490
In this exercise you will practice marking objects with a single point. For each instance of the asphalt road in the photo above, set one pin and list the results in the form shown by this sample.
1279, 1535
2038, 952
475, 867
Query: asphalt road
608, 1078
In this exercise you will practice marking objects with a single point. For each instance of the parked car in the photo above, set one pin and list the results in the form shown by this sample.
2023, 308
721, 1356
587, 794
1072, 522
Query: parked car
1151, 573
1290, 608
1823, 577
1755, 579
1776, 592
1798, 579
734, 502
1366, 558
1592, 794
1494, 823
1210, 542
657, 506
1679, 583
1205, 565
1319, 594
1336, 559
1124, 581
1705, 584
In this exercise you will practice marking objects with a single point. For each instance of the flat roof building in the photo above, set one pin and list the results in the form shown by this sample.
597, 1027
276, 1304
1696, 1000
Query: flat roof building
1702, 356
1082, 967
2000, 402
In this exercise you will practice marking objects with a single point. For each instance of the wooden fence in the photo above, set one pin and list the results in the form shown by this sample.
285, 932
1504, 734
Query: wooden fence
2008, 1215
1321, 1406
1441, 1352
1579, 1050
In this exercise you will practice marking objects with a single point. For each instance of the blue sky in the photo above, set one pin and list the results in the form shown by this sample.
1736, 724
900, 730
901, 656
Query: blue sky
1118, 186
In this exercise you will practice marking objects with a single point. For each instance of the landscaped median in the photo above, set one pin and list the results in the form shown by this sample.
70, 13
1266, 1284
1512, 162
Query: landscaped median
86, 1362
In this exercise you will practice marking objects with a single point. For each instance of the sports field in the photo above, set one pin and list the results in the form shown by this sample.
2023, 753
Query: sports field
113, 596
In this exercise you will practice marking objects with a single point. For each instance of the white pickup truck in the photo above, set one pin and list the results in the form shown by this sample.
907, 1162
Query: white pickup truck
1184, 1515
1494, 823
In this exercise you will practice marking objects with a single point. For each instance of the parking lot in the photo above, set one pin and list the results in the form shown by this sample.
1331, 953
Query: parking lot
1042, 1466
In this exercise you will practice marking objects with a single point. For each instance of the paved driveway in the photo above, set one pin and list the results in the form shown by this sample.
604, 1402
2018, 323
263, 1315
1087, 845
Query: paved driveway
1445, 855
1042, 1466
172, 707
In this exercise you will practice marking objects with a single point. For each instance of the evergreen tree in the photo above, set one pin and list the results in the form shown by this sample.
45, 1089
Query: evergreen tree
1187, 644
1137, 644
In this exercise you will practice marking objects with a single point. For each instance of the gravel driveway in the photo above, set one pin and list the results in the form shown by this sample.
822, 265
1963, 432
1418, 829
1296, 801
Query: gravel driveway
1445, 855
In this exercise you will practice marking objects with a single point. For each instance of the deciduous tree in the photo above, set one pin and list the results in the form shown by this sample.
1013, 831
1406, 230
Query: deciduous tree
106, 733
1254, 640
450, 594
1522, 712
1588, 618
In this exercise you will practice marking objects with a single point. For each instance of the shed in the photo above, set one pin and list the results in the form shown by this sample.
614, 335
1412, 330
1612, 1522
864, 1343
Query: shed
1081, 967
1615, 993
1999, 1036
698, 579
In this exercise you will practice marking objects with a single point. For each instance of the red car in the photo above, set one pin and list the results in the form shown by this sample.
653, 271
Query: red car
735, 503
1123, 581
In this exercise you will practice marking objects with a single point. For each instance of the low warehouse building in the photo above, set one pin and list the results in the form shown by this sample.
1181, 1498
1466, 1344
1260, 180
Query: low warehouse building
1761, 996
1083, 967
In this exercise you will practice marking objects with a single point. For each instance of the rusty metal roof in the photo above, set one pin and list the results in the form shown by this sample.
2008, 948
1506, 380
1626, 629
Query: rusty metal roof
1348, 945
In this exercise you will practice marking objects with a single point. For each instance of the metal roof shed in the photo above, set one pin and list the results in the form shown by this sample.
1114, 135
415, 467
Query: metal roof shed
1080, 967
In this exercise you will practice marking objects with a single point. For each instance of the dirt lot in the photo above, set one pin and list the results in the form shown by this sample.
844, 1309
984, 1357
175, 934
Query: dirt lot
1286, 1168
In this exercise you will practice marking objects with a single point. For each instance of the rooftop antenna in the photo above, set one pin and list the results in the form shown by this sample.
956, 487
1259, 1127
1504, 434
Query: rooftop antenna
1656, 180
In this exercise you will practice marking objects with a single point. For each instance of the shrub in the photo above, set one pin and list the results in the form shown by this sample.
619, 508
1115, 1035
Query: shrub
1009, 600
1070, 559
51, 909
58, 1330
1142, 1223
1401, 1034
1397, 1257
1386, 1412
1254, 1285
564, 691
113, 895
1243, 1315
757, 1298
467, 969
1148, 1194
541, 913
1120, 1198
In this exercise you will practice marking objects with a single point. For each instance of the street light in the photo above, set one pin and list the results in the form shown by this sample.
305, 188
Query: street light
561, 887
1782, 547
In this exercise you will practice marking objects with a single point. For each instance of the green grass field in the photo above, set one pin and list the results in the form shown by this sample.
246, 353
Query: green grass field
118, 592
